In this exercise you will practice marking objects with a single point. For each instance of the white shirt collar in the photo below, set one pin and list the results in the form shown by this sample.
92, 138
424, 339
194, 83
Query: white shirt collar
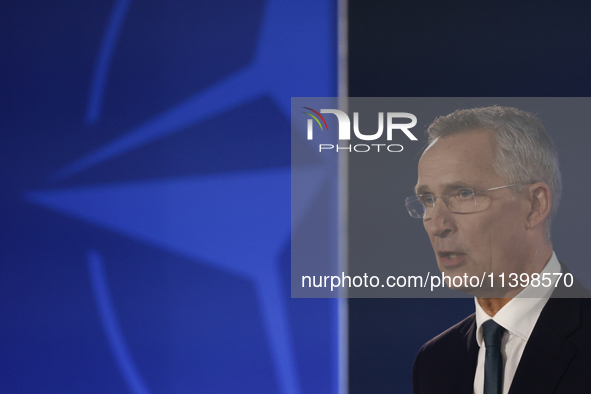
519, 316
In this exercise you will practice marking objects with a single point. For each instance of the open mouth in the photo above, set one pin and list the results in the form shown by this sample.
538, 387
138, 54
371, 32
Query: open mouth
451, 255
450, 258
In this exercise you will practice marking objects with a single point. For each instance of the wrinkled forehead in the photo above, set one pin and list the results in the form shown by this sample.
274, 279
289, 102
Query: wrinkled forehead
463, 160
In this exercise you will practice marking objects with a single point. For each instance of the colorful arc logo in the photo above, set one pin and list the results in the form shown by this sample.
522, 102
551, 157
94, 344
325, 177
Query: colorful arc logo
315, 118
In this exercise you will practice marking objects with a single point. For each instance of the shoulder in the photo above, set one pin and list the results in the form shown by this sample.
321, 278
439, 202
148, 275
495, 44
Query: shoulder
452, 338
559, 348
572, 313
446, 361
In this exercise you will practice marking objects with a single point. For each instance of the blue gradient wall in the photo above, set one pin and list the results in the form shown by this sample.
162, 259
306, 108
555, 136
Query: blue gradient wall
145, 242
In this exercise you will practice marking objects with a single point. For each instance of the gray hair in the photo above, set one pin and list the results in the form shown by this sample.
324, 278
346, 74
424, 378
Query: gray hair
525, 153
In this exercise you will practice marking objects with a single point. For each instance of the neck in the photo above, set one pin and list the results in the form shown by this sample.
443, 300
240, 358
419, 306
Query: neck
492, 305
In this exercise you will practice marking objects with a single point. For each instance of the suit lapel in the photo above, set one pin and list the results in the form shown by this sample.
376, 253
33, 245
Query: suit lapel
470, 366
548, 352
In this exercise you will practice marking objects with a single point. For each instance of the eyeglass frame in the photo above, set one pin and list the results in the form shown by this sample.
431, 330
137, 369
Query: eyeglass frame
447, 202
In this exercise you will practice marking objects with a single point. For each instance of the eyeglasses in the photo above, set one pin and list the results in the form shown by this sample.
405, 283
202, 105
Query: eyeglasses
458, 200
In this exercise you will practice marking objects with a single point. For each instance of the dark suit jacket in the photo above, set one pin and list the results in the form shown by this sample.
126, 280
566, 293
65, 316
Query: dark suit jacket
556, 359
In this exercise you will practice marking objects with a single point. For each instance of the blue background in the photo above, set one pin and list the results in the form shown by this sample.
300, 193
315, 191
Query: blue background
145, 245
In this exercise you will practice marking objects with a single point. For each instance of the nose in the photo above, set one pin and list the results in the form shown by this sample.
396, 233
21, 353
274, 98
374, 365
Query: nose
440, 222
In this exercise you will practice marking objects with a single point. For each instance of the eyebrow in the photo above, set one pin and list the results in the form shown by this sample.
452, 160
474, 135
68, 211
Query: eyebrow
448, 186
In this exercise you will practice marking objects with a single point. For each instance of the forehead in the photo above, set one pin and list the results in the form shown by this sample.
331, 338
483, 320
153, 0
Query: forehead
464, 160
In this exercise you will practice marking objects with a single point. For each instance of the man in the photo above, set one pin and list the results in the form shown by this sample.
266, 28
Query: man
488, 187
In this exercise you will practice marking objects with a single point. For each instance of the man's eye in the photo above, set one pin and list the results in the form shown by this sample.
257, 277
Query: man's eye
427, 199
465, 193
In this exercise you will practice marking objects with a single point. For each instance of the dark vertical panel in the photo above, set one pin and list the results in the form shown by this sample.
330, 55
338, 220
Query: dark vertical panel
429, 48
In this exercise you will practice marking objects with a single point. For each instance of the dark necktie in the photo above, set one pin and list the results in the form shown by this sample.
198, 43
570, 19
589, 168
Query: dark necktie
493, 361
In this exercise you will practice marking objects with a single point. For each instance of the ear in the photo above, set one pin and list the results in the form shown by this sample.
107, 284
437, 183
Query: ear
540, 198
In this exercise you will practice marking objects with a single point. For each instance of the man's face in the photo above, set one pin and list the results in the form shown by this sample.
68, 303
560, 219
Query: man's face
480, 242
